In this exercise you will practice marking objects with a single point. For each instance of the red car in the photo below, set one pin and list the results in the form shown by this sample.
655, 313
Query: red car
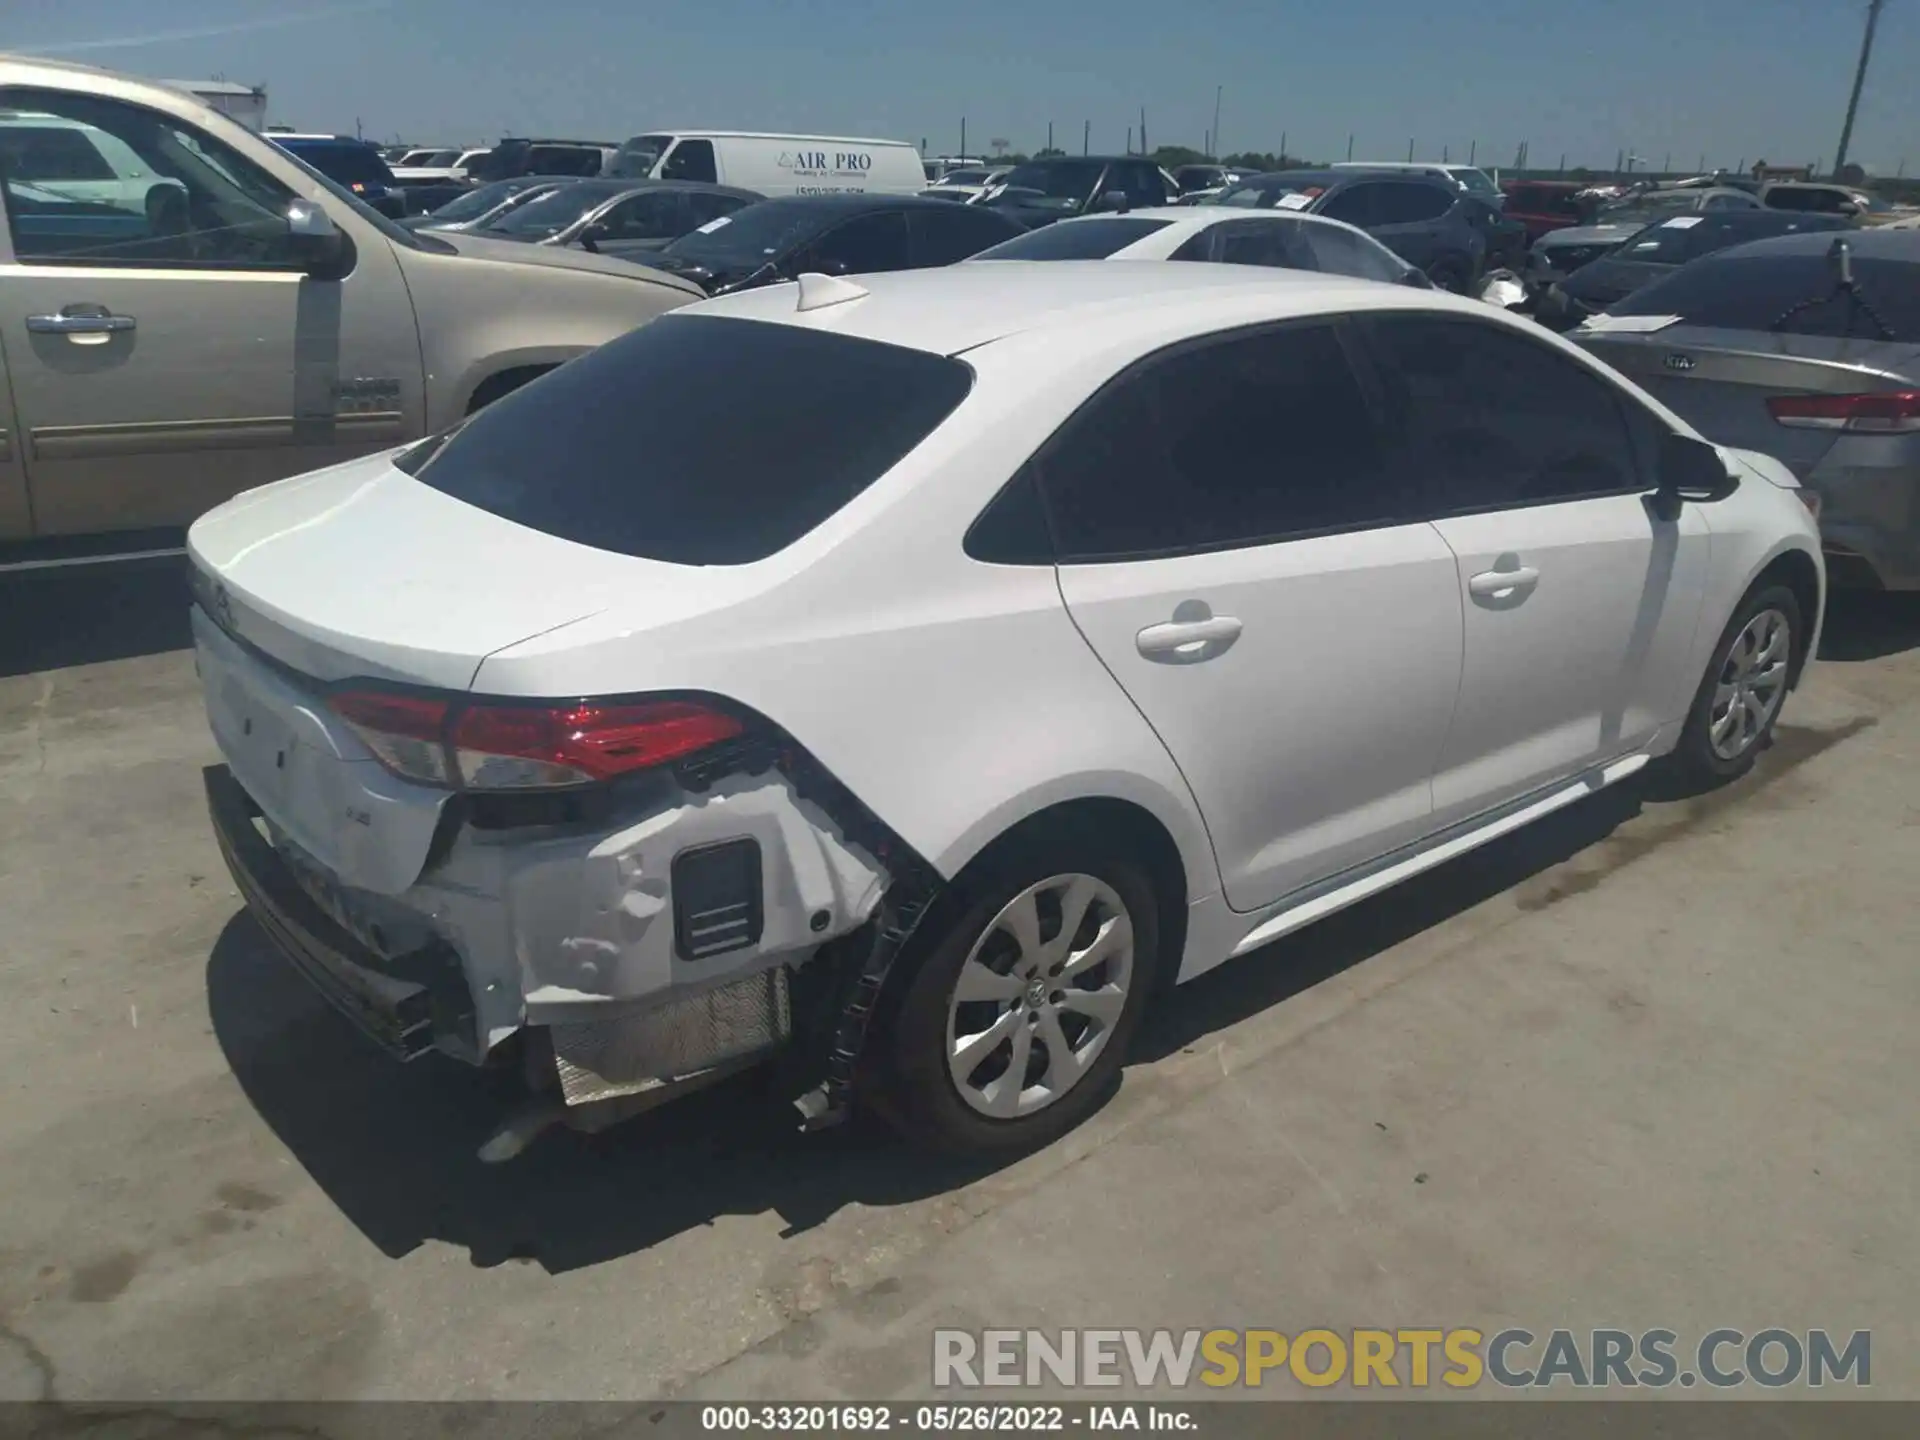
1543, 205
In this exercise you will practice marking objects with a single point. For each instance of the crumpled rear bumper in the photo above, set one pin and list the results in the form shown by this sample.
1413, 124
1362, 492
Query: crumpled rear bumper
393, 1008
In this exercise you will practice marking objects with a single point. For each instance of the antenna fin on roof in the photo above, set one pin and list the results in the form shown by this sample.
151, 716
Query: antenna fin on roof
818, 291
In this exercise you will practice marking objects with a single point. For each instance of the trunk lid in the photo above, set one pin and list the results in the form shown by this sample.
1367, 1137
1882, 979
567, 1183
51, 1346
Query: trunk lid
361, 571
1719, 381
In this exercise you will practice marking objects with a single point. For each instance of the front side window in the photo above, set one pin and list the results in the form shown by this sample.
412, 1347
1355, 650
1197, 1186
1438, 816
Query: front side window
49, 154
1058, 184
1399, 203
1484, 419
655, 215
691, 160
1241, 440
189, 200
697, 440
1355, 205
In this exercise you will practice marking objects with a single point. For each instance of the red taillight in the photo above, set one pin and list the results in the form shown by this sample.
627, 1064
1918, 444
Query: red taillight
406, 732
515, 746
520, 747
1885, 412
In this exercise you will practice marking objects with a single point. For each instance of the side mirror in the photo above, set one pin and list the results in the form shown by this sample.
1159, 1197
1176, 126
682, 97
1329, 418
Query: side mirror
316, 240
1692, 469
591, 237
1115, 200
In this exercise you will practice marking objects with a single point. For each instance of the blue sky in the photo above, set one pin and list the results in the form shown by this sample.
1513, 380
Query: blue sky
1730, 79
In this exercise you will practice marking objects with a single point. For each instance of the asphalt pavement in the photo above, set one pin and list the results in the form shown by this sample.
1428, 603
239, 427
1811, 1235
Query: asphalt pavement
1649, 1063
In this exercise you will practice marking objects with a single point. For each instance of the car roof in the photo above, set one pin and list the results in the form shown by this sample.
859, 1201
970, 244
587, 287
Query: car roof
694, 132
854, 201
1199, 217
951, 309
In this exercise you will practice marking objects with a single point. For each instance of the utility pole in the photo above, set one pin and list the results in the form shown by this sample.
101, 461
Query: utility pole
1409, 152
1283, 146
1445, 155
1143, 131
1473, 150
1859, 79
1666, 165
1283, 149
1086, 135
1216, 115
1049, 134
1129, 139
963, 137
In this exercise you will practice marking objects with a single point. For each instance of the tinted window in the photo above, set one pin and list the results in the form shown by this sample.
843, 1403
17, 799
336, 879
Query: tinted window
705, 205
639, 155
1488, 419
946, 234
1237, 441
1341, 252
475, 203
1057, 179
1278, 243
1753, 292
42, 153
1791, 199
1143, 183
656, 215
343, 160
690, 160
564, 160
1355, 205
697, 440
186, 199
1092, 239
860, 246
1399, 203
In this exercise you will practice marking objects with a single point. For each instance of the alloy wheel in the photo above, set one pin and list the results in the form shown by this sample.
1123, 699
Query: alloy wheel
1752, 683
1039, 996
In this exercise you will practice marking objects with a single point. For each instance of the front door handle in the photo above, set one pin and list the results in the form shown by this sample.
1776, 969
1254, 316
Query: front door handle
1186, 642
80, 320
1504, 584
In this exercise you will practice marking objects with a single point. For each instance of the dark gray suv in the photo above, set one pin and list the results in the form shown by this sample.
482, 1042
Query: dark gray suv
1043, 191
1433, 226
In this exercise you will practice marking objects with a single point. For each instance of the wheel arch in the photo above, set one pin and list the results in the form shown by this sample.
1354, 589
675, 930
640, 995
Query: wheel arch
1801, 573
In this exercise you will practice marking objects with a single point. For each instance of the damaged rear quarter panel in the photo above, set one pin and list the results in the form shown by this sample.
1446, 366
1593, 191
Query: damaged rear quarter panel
954, 698
576, 927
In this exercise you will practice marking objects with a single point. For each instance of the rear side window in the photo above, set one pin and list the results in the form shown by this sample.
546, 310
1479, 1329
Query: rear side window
1341, 252
1489, 420
1093, 239
945, 234
1243, 440
1731, 291
697, 441
344, 161
1276, 243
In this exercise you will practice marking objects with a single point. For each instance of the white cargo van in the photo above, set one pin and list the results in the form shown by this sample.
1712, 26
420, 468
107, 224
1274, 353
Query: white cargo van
774, 164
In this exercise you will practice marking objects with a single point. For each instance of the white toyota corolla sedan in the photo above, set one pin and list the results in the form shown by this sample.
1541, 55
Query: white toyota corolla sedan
1213, 233
909, 677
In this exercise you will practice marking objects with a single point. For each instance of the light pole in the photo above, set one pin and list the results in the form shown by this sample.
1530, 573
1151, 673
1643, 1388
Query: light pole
1859, 79
1216, 118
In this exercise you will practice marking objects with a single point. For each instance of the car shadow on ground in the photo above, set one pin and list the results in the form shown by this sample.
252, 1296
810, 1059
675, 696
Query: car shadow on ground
394, 1146
1868, 624
54, 619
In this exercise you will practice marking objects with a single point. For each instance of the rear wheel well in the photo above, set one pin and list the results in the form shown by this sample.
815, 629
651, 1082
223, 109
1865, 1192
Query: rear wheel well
1120, 825
1795, 569
503, 382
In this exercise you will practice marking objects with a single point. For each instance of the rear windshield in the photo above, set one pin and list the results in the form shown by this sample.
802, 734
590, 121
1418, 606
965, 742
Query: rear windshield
1731, 291
1074, 240
697, 440
554, 212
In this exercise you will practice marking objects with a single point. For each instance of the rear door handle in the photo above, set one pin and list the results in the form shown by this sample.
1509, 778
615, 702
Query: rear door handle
1498, 584
80, 320
1184, 642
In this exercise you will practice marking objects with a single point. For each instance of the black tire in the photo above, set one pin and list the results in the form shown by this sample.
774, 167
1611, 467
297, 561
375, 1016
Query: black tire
917, 1095
1695, 760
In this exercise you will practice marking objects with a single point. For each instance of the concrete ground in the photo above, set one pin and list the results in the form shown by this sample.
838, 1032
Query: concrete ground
1647, 1064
